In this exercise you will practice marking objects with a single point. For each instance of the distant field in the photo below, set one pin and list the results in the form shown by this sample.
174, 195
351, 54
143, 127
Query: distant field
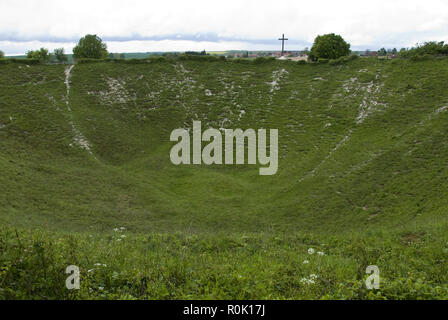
362, 178
218, 52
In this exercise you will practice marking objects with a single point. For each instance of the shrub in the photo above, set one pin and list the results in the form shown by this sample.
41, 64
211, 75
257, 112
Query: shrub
60, 55
422, 57
343, 60
89, 60
131, 61
431, 48
241, 60
21, 61
42, 55
329, 46
261, 60
187, 57
90, 47
158, 59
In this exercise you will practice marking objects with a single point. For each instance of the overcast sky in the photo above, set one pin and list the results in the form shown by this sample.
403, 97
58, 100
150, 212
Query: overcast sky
176, 25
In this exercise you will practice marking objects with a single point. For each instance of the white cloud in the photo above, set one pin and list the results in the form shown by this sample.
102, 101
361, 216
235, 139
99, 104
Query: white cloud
232, 22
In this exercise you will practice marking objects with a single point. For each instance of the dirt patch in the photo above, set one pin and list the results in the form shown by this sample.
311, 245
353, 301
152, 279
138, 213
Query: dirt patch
410, 238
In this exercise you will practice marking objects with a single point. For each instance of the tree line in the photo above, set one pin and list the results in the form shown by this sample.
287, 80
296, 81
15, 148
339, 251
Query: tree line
325, 47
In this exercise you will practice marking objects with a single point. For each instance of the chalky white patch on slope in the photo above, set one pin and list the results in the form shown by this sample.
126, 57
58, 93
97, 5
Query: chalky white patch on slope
187, 83
369, 94
116, 93
277, 76
78, 138
369, 105
184, 85
242, 113
68, 72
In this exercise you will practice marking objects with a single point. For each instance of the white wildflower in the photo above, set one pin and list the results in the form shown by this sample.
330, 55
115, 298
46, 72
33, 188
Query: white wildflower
310, 251
306, 262
320, 253
307, 281
100, 265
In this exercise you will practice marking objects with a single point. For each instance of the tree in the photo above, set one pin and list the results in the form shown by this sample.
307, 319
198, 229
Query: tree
42, 55
91, 46
382, 52
329, 46
428, 48
195, 53
2, 55
60, 55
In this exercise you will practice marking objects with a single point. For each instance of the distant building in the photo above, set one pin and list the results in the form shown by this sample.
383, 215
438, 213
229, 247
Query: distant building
369, 53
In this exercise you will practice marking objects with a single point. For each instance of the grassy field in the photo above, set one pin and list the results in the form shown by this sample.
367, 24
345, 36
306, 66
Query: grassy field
86, 179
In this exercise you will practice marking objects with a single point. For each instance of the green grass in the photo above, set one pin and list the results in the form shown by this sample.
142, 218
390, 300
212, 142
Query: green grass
362, 169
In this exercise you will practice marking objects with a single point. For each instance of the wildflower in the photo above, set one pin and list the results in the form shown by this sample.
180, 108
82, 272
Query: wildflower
116, 229
306, 262
123, 236
310, 251
100, 265
101, 288
91, 270
119, 239
307, 281
320, 253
